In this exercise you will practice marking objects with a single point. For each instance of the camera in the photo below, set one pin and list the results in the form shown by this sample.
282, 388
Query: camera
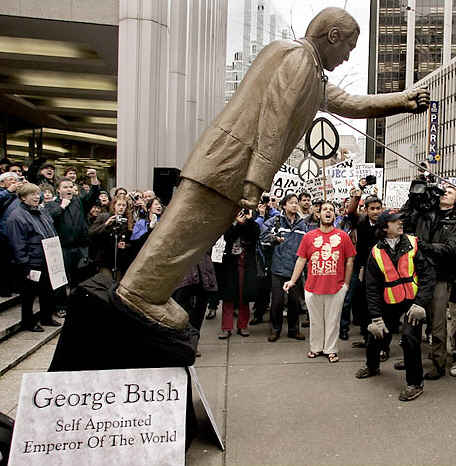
120, 219
265, 199
371, 179
425, 196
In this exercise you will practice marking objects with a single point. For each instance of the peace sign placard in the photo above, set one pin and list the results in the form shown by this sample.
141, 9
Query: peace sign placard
308, 169
322, 139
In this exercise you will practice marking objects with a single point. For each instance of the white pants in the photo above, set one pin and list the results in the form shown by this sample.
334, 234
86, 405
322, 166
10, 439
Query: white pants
324, 313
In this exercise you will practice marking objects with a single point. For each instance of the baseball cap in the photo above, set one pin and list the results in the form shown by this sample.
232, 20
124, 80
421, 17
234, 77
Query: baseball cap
388, 215
47, 165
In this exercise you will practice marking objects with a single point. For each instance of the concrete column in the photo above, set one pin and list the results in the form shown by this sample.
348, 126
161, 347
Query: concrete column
191, 82
447, 30
208, 61
221, 53
410, 61
202, 40
142, 91
177, 80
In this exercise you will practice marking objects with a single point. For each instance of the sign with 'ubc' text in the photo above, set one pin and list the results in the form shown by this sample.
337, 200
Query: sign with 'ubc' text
101, 418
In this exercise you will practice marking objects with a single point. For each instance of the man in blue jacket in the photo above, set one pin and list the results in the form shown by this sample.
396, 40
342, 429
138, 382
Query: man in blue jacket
284, 233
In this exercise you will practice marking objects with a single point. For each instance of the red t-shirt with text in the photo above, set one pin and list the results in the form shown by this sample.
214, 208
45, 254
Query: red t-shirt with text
326, 254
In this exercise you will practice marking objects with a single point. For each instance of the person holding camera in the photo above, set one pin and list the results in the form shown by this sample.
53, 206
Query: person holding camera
148, 220
238, 277
110, 237
264, 258
283, 234
431, 215
399, 281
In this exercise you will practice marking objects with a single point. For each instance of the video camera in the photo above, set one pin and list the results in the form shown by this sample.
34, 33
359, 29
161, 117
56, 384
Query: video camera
424, 196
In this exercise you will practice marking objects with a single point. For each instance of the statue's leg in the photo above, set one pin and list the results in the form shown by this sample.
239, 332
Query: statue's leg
193, 221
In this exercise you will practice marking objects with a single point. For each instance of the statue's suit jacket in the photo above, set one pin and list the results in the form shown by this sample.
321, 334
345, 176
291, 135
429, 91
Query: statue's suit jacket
269, 114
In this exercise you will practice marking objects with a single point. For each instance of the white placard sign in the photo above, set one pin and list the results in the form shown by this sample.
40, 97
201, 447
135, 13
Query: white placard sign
287, 181
396, 193
218, 249
54, 261
101, 418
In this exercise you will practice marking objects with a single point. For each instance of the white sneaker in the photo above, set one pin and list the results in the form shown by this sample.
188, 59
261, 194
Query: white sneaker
453, 370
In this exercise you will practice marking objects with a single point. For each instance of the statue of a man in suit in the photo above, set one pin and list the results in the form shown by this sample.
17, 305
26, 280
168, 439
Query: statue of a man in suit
237, 156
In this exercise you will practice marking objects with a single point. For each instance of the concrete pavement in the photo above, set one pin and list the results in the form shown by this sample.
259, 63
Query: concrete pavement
276, 407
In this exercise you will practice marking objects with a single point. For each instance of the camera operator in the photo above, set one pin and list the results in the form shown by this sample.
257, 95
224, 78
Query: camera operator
110, 236
264, 210
139, 207
431, 215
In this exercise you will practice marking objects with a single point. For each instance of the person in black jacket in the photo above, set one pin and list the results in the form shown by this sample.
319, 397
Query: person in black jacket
41, 172
366, 239
26, 227
112, 258
69, 213
9, 183
436, 231
399, 280
238, 279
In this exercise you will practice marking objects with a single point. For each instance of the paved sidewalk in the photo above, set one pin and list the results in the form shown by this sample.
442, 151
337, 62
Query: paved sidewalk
276, 407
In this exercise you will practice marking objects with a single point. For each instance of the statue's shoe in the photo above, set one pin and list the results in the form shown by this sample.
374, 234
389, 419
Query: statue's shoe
169, 314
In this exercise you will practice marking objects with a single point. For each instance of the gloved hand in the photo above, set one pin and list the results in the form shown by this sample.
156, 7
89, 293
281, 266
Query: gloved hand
377, 328
416, 314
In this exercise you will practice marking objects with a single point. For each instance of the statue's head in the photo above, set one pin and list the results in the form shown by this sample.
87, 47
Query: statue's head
334, 32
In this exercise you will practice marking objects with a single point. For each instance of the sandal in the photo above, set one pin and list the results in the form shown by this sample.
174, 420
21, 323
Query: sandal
313, 355
332, 357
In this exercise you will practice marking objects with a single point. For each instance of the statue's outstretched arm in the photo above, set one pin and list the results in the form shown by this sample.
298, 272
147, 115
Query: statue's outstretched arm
376, 106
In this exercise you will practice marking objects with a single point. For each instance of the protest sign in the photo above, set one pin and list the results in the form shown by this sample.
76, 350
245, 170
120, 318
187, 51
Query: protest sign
218, 249
54, 261
287, 181
118, 417
396, 193
346, 175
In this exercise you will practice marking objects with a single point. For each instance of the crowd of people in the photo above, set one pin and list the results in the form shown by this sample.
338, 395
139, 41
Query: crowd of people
324, 265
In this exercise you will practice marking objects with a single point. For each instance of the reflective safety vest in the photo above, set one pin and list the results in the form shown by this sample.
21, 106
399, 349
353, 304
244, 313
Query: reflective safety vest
400, 283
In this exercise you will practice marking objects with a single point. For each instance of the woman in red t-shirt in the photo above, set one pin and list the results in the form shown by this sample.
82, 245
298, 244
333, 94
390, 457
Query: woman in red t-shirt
329, 253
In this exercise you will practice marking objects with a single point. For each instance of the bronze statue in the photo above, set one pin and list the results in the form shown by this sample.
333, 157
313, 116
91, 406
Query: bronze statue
236, 158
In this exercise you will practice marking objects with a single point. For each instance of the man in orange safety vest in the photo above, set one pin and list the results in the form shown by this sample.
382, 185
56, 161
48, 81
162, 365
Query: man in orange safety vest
399, 280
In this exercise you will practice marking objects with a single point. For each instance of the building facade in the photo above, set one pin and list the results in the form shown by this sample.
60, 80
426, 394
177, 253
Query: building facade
126, 86
412, 39
260, 26
408, 134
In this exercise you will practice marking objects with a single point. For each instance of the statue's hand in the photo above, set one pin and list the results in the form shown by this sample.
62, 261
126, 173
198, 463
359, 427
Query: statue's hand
251, 195
418, 100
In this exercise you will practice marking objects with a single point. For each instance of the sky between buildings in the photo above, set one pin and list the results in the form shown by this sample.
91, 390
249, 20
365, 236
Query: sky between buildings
351, 76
